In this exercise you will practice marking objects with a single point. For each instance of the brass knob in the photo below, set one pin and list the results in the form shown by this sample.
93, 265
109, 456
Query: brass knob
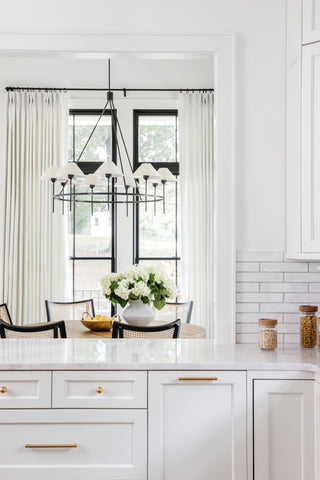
3, 389
99, 389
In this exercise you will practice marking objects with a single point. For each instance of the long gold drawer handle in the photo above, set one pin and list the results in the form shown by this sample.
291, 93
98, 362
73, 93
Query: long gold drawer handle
3, 390
99, 389
60, 445
198, 378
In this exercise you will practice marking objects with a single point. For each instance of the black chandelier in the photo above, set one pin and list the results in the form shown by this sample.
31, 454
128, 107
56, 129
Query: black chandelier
111, 183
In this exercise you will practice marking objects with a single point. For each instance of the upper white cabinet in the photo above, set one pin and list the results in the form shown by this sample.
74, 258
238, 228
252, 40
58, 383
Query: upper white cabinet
284, 429
311, 21
197, 425
303, 127
310, 172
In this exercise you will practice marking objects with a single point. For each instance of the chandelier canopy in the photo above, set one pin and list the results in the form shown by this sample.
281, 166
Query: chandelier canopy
111, 183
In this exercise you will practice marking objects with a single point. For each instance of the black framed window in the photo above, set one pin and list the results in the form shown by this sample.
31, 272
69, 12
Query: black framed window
157, 237
92, 238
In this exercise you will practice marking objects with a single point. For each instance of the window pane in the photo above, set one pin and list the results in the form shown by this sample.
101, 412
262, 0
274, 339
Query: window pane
157, 233
99, 147
87, 282
93, 233
157, 138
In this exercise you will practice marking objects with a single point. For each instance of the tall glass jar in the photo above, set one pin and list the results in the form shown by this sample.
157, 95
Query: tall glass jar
268, 338
308, 326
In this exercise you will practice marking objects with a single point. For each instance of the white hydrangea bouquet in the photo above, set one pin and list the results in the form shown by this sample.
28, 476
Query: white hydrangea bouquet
139, 282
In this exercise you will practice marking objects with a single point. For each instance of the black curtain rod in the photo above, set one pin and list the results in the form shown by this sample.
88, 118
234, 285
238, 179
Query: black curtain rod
124, 90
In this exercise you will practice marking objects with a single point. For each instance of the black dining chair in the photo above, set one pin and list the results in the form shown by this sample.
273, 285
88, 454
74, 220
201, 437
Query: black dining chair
168, 330
49, 330
173, 310
4, 313
68, 310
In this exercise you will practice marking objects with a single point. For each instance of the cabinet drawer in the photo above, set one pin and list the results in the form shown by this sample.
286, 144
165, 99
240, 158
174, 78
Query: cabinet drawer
78, 389
25, 389
73, 444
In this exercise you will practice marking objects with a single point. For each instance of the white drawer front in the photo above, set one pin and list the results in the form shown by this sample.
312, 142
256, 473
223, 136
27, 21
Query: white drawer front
78, 389
25, 389
97, 444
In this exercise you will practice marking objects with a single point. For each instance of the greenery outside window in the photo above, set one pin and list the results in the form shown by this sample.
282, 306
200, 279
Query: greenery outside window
157, 237
92, 239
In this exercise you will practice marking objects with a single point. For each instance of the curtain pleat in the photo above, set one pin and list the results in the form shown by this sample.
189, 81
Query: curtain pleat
34, 246
196, 142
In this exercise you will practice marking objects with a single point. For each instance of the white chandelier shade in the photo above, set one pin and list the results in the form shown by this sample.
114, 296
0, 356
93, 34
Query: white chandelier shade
70, 170
109, 168
92, 180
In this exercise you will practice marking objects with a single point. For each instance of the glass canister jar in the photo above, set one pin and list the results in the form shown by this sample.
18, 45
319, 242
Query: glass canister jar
268, 336
308, 326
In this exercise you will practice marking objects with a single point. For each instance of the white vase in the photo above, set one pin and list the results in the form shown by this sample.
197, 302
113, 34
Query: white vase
138, 313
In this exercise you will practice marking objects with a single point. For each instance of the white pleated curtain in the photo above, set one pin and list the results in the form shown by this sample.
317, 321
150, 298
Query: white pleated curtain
196, 128
34, 241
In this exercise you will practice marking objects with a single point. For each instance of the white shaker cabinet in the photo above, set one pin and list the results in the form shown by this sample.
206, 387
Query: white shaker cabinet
310, 21
310, 171
197, 425
58, 444
284, 431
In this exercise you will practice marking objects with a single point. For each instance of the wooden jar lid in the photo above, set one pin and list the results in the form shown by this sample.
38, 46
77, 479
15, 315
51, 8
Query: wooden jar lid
268, 322
308, 308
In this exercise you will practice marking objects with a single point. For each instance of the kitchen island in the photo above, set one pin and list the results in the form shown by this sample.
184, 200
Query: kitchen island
158, 410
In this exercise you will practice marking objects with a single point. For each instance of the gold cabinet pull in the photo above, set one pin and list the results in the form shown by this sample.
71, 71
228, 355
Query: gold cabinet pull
60, 445
3, 390
198, 378
99, 389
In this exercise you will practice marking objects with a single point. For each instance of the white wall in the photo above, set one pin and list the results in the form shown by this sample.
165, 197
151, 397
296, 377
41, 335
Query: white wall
260, 81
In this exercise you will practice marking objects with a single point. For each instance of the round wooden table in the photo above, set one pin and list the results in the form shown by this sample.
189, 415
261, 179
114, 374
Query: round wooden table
75, 329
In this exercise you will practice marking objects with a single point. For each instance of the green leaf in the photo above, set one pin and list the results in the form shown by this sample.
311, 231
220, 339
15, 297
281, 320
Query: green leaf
122, 302
159, 303
133, 297
145, 299
114, 286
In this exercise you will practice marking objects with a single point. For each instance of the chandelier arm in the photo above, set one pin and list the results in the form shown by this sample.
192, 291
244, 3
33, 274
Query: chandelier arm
114, 123
94, 128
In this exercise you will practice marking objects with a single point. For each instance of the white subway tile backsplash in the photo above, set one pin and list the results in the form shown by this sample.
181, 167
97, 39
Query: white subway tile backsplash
283, 267
284, 287
279, 307
302, 277
259, 297
314, 267
288, 328
254, 317
292, 317
247, 287
247, 267
268, 286
260, 256
247, 328
302, 297
247, 307
259, 277
314, 287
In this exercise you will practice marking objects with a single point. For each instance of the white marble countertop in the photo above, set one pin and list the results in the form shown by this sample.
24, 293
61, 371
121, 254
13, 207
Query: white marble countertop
108, 354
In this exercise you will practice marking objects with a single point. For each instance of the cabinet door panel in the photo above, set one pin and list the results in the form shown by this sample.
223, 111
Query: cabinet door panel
117, 389
310, 21
93, 444
284, 429
310, 171
197, 428
25, 389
